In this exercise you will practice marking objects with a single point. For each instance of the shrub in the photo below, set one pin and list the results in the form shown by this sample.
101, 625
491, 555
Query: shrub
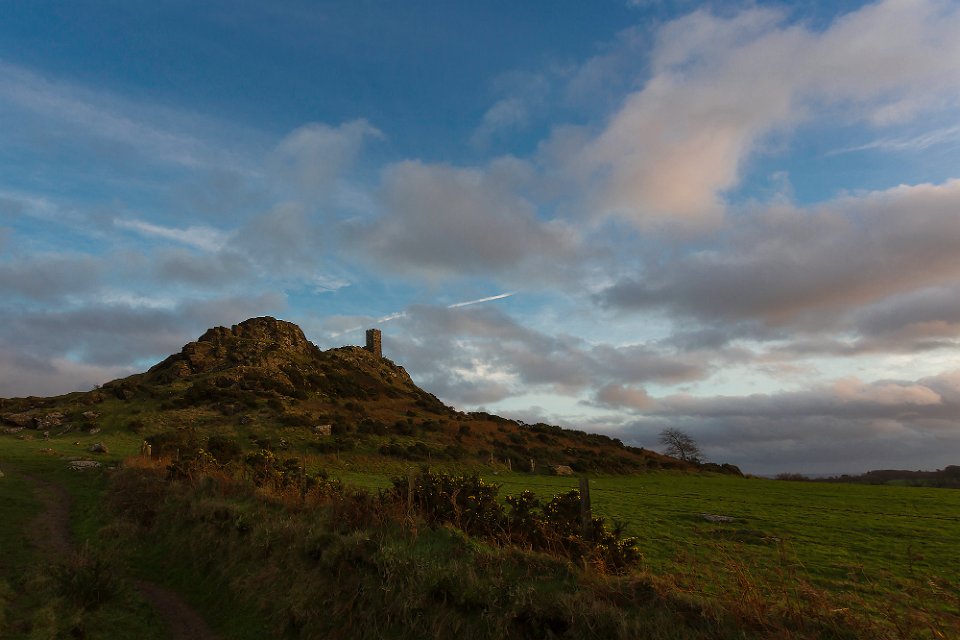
471, 504
181, 442
86, 579
136, 426
224, 448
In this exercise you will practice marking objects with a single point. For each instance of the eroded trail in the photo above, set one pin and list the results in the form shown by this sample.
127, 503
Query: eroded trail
50, 532
182, 620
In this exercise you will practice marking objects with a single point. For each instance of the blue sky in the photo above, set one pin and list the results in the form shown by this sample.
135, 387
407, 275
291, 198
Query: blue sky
740, 219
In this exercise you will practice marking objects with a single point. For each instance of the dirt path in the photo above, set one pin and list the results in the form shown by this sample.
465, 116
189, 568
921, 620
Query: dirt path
50, 531
182, 620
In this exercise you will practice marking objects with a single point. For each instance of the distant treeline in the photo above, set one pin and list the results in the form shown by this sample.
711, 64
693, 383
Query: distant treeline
948, 477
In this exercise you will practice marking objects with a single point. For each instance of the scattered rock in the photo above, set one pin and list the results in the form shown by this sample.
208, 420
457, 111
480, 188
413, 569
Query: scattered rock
44, 422
18, 419
83, 465
94, 431
561, 470
98, 447
12, 430
712, 517
90, 415
323, 429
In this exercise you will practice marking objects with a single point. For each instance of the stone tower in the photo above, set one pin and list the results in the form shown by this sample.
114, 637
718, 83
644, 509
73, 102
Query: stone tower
373, 342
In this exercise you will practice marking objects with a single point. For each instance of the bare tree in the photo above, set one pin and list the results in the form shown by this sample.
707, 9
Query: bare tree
680, 445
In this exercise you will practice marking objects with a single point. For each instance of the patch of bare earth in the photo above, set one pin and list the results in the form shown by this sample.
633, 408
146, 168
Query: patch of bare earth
50, 532
182, 620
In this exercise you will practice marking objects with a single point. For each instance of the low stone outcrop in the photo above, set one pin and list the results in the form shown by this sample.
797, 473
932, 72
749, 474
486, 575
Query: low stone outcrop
19, 419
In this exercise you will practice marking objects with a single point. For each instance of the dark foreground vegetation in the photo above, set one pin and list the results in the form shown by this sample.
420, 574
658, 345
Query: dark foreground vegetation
440, 556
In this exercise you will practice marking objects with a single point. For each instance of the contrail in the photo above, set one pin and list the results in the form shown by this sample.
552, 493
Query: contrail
403, 314
479, 300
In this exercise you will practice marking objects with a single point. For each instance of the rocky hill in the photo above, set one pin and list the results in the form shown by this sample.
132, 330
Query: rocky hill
262, 384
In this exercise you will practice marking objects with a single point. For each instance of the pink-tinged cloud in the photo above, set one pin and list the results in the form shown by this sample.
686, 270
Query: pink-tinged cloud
620, 396
720, 85
810, 268
884, 393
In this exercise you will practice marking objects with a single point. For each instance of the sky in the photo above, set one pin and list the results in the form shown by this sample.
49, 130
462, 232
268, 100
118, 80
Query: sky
739, 219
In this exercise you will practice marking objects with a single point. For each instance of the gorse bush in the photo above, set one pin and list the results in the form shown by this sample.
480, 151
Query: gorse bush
465, 502
470, 504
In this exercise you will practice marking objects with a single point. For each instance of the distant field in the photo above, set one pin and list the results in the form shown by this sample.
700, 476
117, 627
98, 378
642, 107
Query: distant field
864, 540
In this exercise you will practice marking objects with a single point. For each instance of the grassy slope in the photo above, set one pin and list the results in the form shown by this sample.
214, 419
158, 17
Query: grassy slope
352, 569
869, 547
34, 601
860, 542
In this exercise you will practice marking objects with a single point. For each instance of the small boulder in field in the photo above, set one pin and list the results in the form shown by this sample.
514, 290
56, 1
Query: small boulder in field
712, 517
83, 465
98, 447
562, 470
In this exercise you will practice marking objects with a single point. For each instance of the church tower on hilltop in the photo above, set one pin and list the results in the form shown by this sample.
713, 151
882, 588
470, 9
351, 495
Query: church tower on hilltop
373, 342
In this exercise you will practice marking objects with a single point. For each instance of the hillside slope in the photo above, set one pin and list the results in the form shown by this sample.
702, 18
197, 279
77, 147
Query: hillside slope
262, 384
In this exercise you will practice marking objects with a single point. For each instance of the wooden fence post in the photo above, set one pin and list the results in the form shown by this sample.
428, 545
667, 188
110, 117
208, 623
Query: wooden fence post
411, 476
586, 513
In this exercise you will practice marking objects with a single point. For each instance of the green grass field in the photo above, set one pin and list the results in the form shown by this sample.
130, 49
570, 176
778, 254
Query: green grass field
868, 541
866, 547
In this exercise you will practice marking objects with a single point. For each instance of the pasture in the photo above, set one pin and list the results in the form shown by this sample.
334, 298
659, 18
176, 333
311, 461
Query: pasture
886, 552
864, 545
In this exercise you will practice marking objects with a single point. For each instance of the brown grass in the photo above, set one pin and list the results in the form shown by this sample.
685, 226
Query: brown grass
348, 564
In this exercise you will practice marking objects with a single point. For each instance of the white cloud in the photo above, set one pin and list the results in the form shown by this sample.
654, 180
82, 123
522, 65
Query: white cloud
313, 157
443, 221
198, 237
809, 268
619, 396
884, 393
23, 376
505, 114
49, 277
75, 115
720, 85
918, 142
848, 426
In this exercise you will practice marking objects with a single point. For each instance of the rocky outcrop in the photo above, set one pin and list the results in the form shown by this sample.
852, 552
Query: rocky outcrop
257, 342
47, 421
19, 419
41, 421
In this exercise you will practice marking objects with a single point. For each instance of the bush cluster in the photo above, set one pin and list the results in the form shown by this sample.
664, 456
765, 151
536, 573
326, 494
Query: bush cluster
470, 504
